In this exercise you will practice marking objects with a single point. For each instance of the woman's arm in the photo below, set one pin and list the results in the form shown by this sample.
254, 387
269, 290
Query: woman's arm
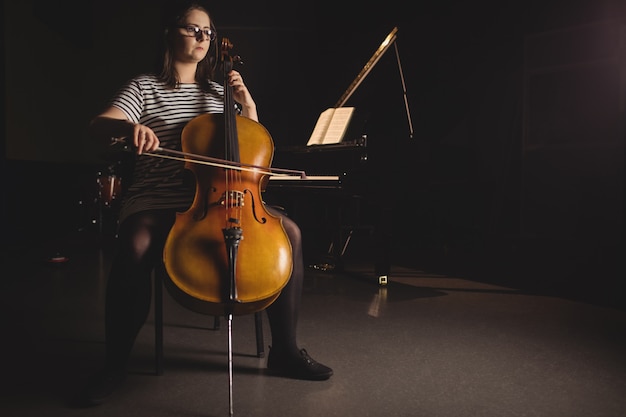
243, 96
113, 124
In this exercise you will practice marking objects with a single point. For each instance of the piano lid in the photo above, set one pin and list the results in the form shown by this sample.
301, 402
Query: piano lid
389, 40
391, 37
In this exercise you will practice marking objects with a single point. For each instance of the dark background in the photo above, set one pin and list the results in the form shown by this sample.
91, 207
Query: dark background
516, 163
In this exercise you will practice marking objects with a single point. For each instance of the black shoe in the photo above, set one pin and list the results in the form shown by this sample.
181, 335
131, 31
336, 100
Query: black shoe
298, 367
100, 387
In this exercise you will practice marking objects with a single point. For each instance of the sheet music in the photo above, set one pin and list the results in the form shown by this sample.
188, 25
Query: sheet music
331, 126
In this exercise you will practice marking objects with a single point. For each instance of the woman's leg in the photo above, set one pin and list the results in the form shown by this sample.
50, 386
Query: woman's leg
129, 291
283, 313
285, 357
129, 287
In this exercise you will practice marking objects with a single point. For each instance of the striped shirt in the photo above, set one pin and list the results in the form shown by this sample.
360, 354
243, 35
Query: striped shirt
157, 183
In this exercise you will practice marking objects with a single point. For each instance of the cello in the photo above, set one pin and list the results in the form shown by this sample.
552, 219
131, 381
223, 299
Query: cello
227, 255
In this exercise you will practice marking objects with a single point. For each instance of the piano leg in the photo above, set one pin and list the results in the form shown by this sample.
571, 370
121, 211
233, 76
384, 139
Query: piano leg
380, 231
382, 262
341, 234
382, 243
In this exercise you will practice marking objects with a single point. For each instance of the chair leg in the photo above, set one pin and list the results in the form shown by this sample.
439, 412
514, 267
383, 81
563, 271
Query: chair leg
258, 328
158, 323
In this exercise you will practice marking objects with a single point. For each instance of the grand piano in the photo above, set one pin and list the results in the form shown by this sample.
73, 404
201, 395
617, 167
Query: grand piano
343, 194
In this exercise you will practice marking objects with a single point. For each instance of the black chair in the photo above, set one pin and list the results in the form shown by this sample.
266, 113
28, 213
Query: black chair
158, 324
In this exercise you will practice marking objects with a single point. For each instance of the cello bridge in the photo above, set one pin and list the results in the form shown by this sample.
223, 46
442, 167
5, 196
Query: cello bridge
232, 198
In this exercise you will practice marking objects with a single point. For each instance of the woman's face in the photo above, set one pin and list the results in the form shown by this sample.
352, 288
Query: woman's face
193, 41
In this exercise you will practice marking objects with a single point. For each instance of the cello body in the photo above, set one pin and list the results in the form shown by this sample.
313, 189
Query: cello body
207, 272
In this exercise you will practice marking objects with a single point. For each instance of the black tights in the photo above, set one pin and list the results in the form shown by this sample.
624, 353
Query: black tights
141, 240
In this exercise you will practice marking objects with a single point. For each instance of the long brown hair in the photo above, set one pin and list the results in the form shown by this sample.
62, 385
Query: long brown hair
173, 18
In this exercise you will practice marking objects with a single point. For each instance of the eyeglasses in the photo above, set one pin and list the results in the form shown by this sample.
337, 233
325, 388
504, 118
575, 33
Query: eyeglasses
199, 34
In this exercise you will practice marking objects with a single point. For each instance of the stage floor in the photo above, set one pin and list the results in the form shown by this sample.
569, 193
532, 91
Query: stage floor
426, 344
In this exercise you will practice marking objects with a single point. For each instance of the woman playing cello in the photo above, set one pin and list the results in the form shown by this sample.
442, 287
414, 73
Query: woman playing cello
150, 111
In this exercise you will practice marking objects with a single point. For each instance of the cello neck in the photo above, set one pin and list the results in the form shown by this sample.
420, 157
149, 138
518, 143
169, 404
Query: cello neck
230, 119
